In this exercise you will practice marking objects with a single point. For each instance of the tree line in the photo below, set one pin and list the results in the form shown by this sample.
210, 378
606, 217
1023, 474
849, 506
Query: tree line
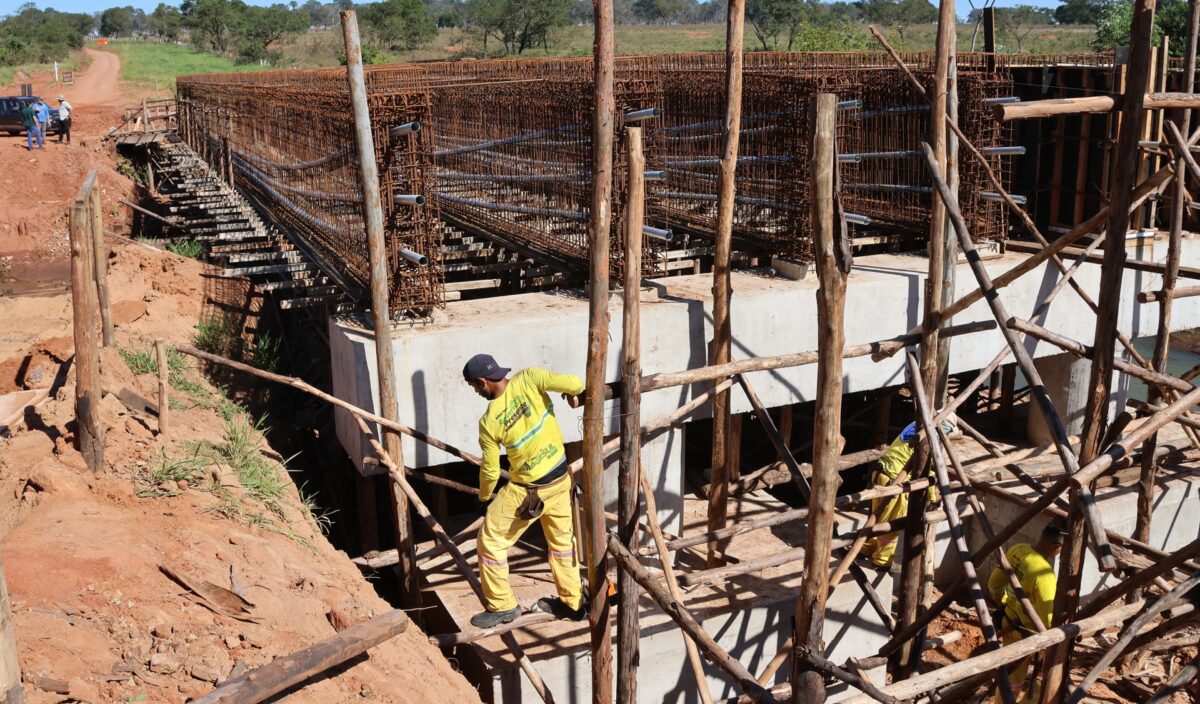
248, 33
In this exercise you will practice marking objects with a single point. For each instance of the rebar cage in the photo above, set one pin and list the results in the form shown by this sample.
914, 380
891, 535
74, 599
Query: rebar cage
505, 150
290, 138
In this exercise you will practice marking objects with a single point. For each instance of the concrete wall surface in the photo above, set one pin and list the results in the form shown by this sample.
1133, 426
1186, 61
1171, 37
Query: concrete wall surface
769, 315
753, 635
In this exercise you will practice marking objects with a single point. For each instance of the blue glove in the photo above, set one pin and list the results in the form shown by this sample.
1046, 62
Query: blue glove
909, 434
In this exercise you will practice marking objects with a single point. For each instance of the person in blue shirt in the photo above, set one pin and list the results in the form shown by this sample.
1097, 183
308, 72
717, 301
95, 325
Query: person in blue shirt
43, 117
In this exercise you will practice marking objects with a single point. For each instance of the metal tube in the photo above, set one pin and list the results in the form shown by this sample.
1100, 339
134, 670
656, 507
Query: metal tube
655, 176
658, 233
645, 114
894, 111
414, 257
406, 128
857, 219
524, 210
410, 199
1001, 101
1003, 151
899, 187
994, 196
849, 105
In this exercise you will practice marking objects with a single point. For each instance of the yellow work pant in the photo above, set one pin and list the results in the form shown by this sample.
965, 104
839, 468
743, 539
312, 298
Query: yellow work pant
882, 548
503, 528
1018, 675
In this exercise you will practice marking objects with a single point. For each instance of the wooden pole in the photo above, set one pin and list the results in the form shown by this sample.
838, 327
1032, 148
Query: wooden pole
1162, 340
676, 611
164, 401
90, 431
628, 639
808, 686
380, 312
100, 266
924, 417
265, 681
10, 666
718, 497
599, 225
1066, 454
1066, 598
989, 36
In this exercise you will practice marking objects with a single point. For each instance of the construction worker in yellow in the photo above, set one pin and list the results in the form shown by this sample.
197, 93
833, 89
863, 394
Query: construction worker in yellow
1033, 566
882, 549
520, 417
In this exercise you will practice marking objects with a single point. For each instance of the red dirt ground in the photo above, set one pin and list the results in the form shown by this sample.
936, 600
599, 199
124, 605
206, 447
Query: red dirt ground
82, 552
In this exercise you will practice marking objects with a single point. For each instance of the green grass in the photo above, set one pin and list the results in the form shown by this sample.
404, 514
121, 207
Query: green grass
192, 249
155, 65
219, 335
19, 74
146, 361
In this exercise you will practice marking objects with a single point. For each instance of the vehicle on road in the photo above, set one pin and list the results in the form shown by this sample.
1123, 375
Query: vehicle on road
10, 115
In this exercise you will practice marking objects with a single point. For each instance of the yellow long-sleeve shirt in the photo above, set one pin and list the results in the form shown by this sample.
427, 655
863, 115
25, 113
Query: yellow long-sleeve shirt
1036, 576
522, 420
893, 459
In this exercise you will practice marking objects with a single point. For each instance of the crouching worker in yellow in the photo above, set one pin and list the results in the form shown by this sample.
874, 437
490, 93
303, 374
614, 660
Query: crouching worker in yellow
882, 549
520, 416
1033, 566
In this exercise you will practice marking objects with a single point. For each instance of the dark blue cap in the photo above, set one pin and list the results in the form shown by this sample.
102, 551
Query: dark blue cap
483, 366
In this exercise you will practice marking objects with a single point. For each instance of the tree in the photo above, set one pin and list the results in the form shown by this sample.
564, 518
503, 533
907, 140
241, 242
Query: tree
399, 24
116, 22
1112, 30
898, 13
212, 22
518, 24
259, 27
1020, 21
775, 22
655, 11
165, 22
1080, 11
30, 35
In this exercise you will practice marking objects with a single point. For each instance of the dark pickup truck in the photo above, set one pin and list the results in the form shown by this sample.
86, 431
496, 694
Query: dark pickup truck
10, 115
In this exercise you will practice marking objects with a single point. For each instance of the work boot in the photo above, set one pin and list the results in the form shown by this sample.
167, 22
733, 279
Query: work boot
554, 605
491, 619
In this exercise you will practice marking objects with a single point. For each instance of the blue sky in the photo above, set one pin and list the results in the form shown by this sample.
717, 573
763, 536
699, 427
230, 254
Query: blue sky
8, 6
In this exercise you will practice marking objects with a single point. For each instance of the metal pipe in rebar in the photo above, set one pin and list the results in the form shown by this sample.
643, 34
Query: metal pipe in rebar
717, 135
654, 176
912, 154
741, 160
1003, 151
410, 199
896, 187
515, 139
298, 165
522, 209
645, 114
905, 109
406, 128
1001, 100
856, 218
295, 209
308, 193
994, 196
849, 104
459, 176
706, 124
740, 200
414, 257
658, 233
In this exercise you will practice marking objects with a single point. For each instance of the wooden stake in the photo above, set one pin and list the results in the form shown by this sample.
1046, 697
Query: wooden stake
380, 313
718, 498
628, 639
90, 430
599, 226
1066, 597
807, 684
743, 677
164, 401
265, 681
10, 666
100, 266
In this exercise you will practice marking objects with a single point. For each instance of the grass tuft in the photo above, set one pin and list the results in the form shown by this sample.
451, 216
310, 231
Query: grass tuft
192, 249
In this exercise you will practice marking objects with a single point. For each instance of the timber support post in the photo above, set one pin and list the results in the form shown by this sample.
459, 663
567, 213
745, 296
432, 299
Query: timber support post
719, 353
599, 226
808, 685
164, 400
90, 431
381, 318
10, 666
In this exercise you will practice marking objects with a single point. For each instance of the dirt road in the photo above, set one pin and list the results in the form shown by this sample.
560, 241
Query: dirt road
98, 84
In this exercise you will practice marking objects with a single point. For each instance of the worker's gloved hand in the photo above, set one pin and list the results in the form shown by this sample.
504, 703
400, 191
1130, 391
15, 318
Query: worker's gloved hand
573, 400
909, 434
482, 506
